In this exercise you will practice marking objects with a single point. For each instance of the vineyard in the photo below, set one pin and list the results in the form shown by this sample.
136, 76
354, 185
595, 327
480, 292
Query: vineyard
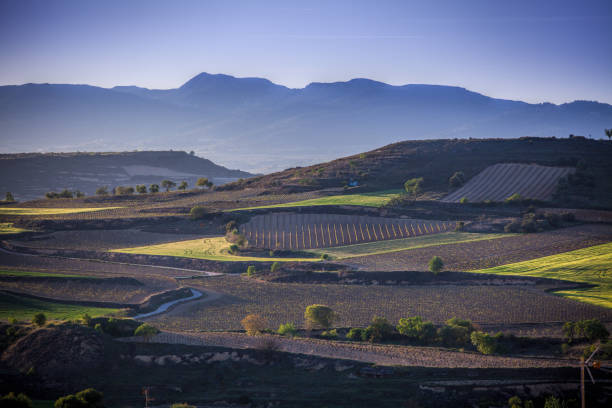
500, 181
307, 231
357, 305
591, 265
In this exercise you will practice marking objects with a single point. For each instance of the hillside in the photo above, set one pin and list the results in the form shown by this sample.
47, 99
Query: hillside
436, 160
31, 175
256, 125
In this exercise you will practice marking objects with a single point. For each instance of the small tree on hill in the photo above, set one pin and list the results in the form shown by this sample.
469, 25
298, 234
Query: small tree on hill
12, 400
204, 182
146, 331
457, 179
436, 264
275, 267
9, 197
198, 212
254, 324
379, 330
154, 188
168, 184
414, 186
609, 134
102, 190
183, 185
39, 319
141, 189
319, 315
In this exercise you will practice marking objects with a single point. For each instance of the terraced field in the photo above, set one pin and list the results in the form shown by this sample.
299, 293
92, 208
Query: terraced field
357, 304
51, 211
482, 254
592, 265
306, 231
500, 181
8, 228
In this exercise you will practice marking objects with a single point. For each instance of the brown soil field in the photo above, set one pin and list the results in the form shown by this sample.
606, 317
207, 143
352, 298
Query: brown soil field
485, 254
357, 305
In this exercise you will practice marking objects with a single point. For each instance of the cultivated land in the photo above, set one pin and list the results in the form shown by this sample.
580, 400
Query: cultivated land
592, 265
65, 257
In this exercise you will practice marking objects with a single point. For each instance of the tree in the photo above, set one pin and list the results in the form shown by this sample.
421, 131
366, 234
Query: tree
168, 184
89, 398
483, 342
154, 188
123, 190
251, 271
183, 185
414, 186
204, 182
39, 319
9, 197
79, 194
456, 332
319, 315
102, 190
417, 329
355, 334
146, 331
457, 179
609, 133
254, 324
198, 212
69, 401
436, 264
553, 402
66, 194
380, 329
11, 400
141, 189
287, 329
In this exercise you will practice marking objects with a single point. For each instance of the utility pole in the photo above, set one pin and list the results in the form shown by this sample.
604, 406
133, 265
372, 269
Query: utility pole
148, 398
585, 365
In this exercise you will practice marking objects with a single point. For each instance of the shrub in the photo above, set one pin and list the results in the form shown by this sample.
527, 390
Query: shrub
123, 190
198, 212
604, 353
464, 200
251, 271
456, 332
154, 188
417, 329
319, 315
379, 330
233, 249
330, 334
168, 184
39, 319
183, 185
457, 179
89, 398
9, 199
436, 264
287, 329
483, 342
275, 267
141, 189
514, 199
355, 334
414, 186
254, 324
11, 400
324, 257
204, 182
146, 331
590, 329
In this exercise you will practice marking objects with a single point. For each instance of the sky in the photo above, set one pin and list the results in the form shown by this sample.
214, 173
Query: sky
536, 51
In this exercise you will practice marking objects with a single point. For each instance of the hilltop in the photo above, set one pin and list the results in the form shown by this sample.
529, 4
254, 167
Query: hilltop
31, 175
256, 125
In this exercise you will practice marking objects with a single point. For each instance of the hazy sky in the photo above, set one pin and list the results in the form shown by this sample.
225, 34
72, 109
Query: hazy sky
532, 50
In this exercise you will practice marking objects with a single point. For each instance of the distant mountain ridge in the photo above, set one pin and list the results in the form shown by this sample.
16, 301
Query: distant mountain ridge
31, 175
254, 124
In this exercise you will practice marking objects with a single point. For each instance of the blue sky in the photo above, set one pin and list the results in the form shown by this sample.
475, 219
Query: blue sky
536, 51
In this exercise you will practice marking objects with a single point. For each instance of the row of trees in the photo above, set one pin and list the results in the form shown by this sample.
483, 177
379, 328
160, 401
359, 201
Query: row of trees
154, 188
88, 398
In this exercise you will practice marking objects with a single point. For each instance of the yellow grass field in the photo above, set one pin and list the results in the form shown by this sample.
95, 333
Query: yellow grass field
50, 211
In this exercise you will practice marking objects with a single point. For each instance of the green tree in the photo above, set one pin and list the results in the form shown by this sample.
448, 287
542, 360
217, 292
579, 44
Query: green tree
39, 319
378, 330
515, 402
553, 402
417, 329
168, 184
102, 191
124, 190
319, 315
254, 324
69, 401
287, 329
12, 400
141, 189
609, 133
483, 342
457, 179
355, 334
146, 331
436, 264
456, 332
251, 271
414, 186
204, 182
91, 397
198, 212
9, 197
183, 185
154, 188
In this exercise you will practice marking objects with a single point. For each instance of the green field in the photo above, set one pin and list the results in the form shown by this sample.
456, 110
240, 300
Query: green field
50, 211
23, 309
7, 228
214, 249
8, 272
388, 246
376, 199
591, 265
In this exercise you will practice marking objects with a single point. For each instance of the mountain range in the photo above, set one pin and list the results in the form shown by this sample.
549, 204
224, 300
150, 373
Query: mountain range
256, 125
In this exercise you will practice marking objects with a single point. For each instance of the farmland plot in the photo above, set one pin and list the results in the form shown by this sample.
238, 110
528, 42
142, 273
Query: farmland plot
500, 181
307, 231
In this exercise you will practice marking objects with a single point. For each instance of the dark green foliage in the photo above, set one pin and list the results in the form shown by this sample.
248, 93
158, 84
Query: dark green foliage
102, 191
604, 353
589, 329
287, 329
124, 190
330, 334
456, 332
436, 264
198, 212
79, 194
141, 189
379, 330
89, 398
183, 185
608, 133
39, 319
12, 400
63, 194
204, 182
9, 197
355, 334
484, 343
234, 249
414, 186
463, 200
457, 179
168, 184
154, 188
146, 331
415, 328
319, 315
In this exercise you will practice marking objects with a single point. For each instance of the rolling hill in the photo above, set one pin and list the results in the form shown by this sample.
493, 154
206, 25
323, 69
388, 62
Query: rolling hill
256, 125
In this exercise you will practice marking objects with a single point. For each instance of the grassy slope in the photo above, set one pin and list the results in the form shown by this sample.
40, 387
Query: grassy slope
23, 309
215, 249
6, 272
376, 199
49, 211
382, 247
7, 228
591, 265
